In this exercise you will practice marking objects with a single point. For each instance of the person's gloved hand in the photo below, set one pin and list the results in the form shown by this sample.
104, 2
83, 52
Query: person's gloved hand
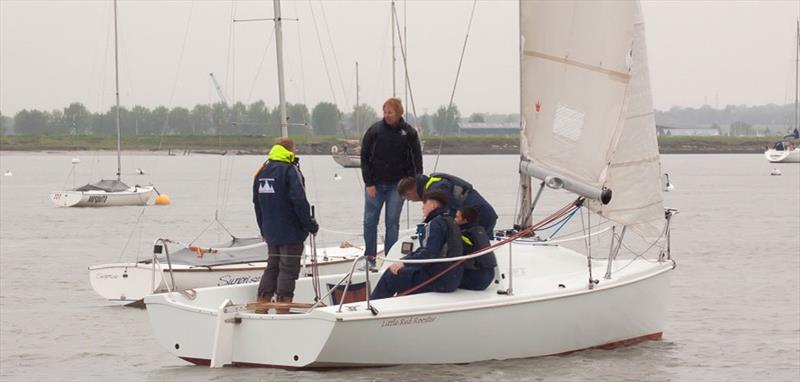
314, 226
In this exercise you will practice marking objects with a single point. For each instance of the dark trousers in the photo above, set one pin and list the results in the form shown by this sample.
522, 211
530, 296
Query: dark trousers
391, 283
477, 279
283, 267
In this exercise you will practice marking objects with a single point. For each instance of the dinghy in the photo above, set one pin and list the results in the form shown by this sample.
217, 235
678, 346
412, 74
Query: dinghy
587, 128
238, 261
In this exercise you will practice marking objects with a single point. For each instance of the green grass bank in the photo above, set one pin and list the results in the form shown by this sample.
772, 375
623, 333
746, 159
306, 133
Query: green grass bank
321, 145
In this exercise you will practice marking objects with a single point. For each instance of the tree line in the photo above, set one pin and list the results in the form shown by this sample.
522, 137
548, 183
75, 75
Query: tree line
217, 119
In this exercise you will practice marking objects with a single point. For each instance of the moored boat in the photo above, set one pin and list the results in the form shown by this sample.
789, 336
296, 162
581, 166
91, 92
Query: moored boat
104, 193
239, 261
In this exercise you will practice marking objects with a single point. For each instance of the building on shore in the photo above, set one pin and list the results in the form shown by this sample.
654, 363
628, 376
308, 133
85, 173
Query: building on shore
488, 128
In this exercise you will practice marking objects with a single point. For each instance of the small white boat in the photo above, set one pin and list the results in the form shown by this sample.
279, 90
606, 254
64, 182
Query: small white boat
239, 261
783, 152
8, 173
347, 153
104, 193
775, 172
546, 299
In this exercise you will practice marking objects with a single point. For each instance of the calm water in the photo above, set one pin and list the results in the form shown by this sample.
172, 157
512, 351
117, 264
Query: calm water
734, 315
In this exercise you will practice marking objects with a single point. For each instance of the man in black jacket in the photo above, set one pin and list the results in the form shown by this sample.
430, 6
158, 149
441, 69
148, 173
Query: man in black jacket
390, 151
284, 217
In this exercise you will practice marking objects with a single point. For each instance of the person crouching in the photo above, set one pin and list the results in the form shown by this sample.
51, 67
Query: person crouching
442, 238
284, 218
478, 271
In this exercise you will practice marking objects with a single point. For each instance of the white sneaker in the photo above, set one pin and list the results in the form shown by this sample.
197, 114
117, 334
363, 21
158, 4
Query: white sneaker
363, 263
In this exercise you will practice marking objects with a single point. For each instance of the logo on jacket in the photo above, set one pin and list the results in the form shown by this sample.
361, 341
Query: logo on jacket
265, 186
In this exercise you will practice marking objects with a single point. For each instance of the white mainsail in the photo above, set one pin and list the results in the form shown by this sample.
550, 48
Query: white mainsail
635, 169
574, 76
586, 105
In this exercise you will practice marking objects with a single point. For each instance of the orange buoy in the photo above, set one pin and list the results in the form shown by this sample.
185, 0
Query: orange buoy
162, 200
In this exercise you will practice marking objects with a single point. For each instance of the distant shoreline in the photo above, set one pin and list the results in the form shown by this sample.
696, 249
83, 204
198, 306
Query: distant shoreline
321, 145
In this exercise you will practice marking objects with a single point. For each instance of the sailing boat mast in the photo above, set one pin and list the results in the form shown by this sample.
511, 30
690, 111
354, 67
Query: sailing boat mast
394, 59
279, 53
355, 112
116, 91
796, 64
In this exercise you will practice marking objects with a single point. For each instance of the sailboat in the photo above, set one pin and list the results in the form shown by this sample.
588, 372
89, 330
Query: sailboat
785, 151
107, 192
347, 152
588, 128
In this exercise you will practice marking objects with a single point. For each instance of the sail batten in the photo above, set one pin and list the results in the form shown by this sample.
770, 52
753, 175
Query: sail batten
575, 74
620, 76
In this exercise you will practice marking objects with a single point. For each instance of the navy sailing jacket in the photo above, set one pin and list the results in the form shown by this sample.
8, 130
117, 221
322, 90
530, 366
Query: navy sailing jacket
476, 239
279, 198
442, 239
453, 186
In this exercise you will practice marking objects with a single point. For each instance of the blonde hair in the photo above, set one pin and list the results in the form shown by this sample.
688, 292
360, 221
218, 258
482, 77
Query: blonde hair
287, 143
395, 104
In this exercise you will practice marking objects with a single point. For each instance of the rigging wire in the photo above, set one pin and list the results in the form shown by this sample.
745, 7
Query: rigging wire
405, 67
300, 56
455, 84
177, 71
136, 228
231, 55
333, 51
322, 51
261, 65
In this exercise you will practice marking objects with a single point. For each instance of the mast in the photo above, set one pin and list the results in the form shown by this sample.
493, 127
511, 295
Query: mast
524, 218
355, 112
116, 91
796, 63
405, 58
394, 59
279, 51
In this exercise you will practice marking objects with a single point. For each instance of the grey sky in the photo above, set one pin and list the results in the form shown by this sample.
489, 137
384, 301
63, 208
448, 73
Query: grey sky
56, 52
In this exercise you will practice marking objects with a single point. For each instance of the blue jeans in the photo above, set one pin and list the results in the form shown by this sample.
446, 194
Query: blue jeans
386, 194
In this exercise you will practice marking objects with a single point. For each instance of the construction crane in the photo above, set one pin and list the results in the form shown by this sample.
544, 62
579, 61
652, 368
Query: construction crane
219, 91
223, 99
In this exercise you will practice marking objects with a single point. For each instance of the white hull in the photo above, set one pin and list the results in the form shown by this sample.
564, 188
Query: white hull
134, 196
129, 283
539, 318
783, 156
347, 161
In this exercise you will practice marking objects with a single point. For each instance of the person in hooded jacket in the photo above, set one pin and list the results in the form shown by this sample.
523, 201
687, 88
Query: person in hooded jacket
478, 271
441, 238
459, 191
390, 150
284, 218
